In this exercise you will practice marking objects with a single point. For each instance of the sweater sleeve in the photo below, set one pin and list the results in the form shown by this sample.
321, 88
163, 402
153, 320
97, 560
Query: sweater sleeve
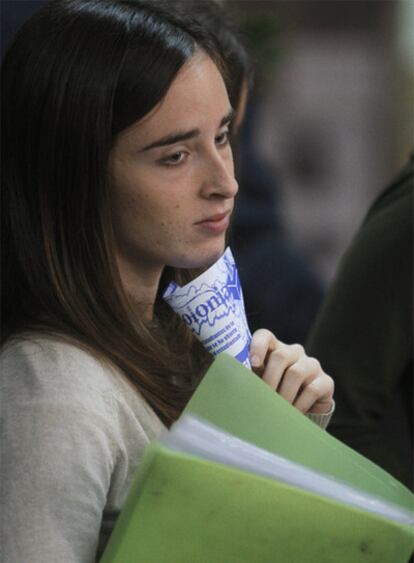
59, 451
322, 419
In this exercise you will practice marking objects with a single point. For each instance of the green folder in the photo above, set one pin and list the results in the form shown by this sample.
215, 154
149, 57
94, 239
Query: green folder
233, 398
183, 509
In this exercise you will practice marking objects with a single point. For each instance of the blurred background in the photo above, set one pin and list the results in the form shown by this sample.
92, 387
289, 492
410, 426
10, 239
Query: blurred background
335, 114
330, 121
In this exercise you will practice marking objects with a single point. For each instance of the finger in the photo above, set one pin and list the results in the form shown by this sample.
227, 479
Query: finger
298, 375
279, 361
263, 342
317, 396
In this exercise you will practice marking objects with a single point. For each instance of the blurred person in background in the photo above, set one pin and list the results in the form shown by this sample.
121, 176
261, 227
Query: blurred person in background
281, 290
364, 333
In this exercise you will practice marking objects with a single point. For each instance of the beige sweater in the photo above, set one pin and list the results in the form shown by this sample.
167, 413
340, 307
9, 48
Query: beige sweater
73, 432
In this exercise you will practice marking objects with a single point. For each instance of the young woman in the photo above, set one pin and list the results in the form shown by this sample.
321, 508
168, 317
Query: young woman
117, 177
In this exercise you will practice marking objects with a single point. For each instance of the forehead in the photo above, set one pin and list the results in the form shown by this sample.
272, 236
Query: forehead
197, 98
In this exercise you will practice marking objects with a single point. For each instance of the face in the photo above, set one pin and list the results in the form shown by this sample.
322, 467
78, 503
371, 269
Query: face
173, 177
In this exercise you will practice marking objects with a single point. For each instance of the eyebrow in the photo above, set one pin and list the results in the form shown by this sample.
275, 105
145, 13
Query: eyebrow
184, 135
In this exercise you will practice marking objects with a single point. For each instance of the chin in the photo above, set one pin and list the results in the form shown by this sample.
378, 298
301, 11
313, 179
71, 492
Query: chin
201, 258
211, 256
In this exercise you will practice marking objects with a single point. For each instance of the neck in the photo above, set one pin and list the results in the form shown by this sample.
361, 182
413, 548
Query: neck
141, 287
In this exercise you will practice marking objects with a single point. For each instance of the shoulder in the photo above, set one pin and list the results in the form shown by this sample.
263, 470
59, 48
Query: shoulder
42, 366
393, 206
50, 371
37, 351
381, 245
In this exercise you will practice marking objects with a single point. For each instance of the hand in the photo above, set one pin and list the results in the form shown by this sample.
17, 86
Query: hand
291, 373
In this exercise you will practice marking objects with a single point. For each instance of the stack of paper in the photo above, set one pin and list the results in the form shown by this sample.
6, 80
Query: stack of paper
260, 483
196, 437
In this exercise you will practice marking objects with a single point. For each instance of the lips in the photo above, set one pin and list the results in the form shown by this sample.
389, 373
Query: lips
215, 224
214, 218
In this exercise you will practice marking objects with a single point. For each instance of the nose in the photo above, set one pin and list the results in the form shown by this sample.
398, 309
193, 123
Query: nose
219, 180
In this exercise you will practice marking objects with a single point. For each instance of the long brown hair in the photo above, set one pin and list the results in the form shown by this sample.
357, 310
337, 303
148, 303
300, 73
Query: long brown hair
78, 73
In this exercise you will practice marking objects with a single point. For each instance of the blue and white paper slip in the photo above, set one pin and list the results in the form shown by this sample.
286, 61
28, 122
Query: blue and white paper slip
212, 306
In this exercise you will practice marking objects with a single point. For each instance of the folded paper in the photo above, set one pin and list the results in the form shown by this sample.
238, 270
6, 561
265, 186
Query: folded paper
197, 437
212, 307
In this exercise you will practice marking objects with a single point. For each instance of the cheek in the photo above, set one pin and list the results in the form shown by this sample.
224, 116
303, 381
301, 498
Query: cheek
129, 196
154, 219
130, 211
145, 206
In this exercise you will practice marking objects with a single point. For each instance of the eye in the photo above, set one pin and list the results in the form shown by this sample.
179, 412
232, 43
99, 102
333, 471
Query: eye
174, 159
223, 138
